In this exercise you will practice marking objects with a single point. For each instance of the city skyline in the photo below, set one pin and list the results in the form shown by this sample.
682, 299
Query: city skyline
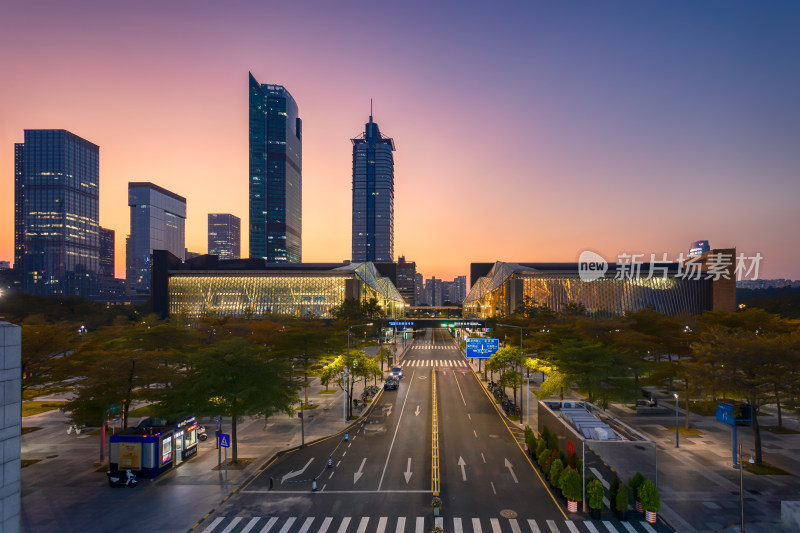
533, 132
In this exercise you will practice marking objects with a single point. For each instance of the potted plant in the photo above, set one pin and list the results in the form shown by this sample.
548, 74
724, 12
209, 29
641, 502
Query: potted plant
612, 493
570, 485
541, 457
594, 496
436, 503
555, 471
650, 500
634, 483
437, 529
621, 502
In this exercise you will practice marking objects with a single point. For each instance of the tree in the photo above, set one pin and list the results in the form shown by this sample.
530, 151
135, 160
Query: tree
353, 310
357, 365
231, 378
42, 345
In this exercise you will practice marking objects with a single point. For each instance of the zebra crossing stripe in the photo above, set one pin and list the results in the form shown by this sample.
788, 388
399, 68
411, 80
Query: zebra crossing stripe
420, 524
629, 527
270, 523
382, 524
457, 525
325, 525
344, 524
495, 525
288, 525
306, 525
214, 524
647, 527
401, 524
476, 525
251, 524
232, 525
572, 527
534, 526
514, 525
552, 525
362, 527
591, 527
610, 527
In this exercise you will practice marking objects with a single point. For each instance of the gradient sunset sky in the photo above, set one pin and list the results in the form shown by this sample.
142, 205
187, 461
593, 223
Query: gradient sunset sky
525, 130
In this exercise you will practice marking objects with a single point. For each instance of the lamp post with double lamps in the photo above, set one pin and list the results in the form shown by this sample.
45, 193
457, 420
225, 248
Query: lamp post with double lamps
677, 441
347, 370
519, 363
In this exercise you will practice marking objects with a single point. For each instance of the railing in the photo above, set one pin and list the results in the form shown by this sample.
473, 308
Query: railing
435, 441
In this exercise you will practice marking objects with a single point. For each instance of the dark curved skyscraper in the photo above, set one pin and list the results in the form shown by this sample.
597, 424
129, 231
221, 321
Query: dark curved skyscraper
276, 162
373, 196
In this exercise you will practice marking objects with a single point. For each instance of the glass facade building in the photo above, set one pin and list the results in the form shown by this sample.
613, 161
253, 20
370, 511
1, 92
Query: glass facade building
224, 235
373, 196
206, 286
107, 254
57, 213
509, 285
158, 220
276, 162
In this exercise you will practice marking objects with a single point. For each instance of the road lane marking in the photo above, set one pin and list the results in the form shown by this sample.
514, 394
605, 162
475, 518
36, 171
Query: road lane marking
647, 527
214, 524
344, 524
338, 463
459, 390
407, 474
420, 524
457, 525
295, 473
270, 523
434, 438
590, 527
572, 527
493, 489
534, 526
382, 524
288, 525
323, 528
360, 472
330, 475
323, 487
476, 433
307, 524
251, 524
476, 525
401, 525
232, 525
344, 453
514, 525
469, 416
495, 525
610, 527
462, 464
484, 458
511, 469
396, 429
552, 525
629, 527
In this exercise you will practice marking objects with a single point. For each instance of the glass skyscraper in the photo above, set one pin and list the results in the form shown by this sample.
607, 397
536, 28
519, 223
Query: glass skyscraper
158, 221
57, 213
373, 196
276, 162
224, 235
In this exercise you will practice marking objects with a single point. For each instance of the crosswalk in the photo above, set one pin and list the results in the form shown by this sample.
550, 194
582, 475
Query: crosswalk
434, 347
416, 524
433, 362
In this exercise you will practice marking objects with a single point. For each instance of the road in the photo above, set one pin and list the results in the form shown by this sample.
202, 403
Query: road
383, 474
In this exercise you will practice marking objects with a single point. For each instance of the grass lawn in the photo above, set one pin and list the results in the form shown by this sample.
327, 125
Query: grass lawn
780, 431
327, 392
144, 410
765, 469
34, 408
30, 429
28, 462
683, 431
306, 407
34, 392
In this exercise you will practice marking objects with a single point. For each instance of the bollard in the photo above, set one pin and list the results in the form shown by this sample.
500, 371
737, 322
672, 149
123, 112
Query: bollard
346, 437
270, 482
314, 485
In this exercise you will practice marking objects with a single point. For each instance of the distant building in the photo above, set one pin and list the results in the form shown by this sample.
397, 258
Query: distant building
373, 196
433, 292
158, 220
406, 274
458, 290
190, 255
419, 290
224, 235
5, 265
276, 164
107, 253
57, 213
698, 248
10, 424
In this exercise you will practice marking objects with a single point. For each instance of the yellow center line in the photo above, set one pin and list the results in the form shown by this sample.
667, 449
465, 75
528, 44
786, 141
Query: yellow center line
434, 439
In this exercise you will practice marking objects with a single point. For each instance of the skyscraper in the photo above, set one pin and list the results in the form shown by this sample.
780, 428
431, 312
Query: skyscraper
373, 195
56, 214
276, 163
406, 273
224, 235
158, 219
107, 253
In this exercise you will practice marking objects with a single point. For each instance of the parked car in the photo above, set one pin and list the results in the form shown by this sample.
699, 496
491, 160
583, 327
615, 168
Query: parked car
390, 384
397, 372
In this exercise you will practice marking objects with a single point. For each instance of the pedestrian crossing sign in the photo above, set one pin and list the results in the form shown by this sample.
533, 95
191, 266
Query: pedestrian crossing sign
224, 440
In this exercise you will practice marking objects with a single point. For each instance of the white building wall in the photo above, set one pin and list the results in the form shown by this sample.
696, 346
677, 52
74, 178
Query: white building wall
10, 426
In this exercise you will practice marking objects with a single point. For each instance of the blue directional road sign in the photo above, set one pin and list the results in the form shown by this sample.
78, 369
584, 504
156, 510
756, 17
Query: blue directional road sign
478, 348
725, 414
224, 440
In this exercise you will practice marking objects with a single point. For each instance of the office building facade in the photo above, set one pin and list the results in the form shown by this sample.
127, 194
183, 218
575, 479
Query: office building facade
57, 213
224, 235
276, 163
373, 196
406, 274
158, 222
107, 255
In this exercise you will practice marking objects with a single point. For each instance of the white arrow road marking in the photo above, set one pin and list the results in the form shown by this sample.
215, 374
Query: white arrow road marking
416, 413
511, 469
462, 464
295, 473
407, 473
358, 474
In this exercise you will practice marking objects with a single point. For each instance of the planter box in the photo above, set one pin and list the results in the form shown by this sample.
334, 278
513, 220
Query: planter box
572, 506
651, 517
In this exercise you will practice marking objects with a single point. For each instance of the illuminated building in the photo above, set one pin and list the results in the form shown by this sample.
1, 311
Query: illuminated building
224, 235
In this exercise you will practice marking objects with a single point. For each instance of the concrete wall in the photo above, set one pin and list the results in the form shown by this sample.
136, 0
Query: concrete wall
10, 426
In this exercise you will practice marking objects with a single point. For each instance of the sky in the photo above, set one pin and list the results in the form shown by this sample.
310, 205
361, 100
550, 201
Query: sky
525, 130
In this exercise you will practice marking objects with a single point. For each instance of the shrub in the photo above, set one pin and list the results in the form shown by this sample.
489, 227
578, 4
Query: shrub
570, 485
545, 433
621, 498
612, 492
555, 471
552, 441
649, 498
594, 494
542, 457
549, 461
542, 446
634, 483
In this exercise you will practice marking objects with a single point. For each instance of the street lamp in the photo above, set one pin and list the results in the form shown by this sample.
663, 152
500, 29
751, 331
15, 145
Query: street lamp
519, 361
677, 442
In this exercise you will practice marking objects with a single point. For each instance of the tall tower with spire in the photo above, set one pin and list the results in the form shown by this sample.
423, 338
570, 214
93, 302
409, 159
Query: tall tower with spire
373, 195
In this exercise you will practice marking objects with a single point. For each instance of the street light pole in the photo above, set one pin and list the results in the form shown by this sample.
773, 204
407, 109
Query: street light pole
677, 441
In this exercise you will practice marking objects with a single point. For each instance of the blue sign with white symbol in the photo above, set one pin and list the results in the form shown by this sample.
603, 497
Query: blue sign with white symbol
725, 414
482, 348
224, 440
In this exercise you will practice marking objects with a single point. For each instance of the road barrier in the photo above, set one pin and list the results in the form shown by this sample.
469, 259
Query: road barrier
435, 440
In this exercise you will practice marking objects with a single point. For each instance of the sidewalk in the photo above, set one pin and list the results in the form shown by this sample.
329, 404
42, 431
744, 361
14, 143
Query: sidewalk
67, 489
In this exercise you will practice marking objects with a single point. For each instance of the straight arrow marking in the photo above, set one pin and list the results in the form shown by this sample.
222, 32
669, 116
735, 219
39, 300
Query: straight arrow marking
416, 413
358, 474
462, 464
511, 469
407, 473
295, 473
